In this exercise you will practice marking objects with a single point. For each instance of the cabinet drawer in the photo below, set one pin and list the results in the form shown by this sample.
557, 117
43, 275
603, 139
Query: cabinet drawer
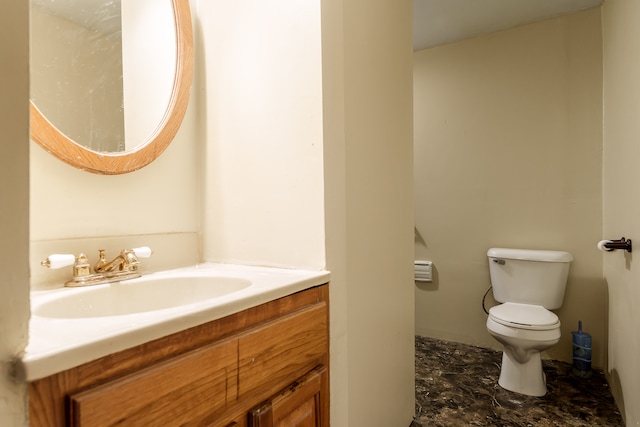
299, 404
186, 388
277, 353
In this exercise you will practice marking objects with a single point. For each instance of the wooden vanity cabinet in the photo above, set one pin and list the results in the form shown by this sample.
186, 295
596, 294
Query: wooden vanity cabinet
266, 366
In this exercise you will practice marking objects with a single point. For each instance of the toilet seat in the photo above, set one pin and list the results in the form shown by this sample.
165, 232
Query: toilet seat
524, 316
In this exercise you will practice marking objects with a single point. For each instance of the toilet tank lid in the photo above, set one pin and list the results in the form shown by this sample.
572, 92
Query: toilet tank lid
530, 255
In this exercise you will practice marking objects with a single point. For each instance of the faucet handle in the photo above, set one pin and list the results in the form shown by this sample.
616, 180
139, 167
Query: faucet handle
56, 261
81, 267
143, 252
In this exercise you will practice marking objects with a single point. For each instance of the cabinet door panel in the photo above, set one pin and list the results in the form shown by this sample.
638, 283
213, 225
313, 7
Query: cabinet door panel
275, 354
297, 405
184, 389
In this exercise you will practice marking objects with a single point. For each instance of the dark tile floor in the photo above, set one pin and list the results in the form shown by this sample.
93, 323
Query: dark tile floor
457, 385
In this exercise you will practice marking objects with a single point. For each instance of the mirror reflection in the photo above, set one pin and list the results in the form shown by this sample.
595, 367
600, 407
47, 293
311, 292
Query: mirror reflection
103, 71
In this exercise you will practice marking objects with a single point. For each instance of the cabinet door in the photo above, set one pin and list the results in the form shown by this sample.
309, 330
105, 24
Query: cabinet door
300, 404
276, 353
180, 391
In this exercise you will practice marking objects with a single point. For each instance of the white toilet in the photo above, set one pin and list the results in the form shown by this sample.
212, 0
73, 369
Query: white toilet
528, 283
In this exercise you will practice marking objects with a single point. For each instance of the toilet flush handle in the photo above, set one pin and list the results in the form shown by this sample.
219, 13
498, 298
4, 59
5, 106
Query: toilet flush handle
499, 261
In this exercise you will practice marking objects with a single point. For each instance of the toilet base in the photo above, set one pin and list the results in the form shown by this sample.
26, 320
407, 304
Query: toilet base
524, 378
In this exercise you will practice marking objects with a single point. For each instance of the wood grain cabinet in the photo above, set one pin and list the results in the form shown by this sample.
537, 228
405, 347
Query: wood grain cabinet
266, 366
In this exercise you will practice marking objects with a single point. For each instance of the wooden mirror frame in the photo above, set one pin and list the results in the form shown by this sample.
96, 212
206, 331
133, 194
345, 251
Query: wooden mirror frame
67, 150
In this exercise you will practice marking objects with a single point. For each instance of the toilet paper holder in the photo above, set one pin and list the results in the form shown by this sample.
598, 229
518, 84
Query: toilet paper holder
612, 245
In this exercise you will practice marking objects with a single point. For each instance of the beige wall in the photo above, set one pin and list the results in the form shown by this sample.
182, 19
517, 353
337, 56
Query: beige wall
508, 141
367, 63
261, 125
161, 198
14, 205
621, 181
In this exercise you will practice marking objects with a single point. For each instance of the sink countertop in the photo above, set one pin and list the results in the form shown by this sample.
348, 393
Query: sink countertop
57, 344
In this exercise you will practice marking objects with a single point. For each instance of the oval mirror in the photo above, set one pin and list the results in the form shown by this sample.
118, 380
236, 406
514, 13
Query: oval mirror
110, 80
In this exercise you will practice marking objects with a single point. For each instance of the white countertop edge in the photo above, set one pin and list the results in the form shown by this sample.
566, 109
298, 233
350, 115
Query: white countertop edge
39, 363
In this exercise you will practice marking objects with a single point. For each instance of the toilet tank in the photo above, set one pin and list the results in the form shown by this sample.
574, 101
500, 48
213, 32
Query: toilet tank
529, 276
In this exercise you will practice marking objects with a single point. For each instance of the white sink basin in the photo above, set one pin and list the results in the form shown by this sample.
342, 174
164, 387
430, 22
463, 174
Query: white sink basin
138, 296
72, 326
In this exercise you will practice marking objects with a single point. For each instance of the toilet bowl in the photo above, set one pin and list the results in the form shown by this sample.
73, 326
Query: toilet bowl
524, 331
528, 283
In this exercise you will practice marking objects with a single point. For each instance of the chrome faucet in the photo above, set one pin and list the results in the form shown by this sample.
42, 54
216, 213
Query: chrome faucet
122, 267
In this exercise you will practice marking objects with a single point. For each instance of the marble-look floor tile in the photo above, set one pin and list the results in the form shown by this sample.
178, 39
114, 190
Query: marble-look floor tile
457, 385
